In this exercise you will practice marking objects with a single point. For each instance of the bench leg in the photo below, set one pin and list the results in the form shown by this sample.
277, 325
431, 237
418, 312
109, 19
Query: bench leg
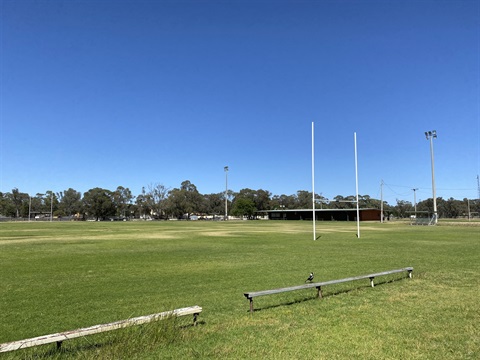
251, 304
319, 292
410, 274
195, 319
59, 345
371, 281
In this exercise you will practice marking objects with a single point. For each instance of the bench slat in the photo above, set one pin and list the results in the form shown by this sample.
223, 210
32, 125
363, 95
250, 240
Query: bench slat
66, 335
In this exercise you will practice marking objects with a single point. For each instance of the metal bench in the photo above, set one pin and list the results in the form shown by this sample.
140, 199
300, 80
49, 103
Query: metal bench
252, 294
67, 335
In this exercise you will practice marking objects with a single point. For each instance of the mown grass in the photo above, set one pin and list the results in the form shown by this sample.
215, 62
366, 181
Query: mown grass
63, 276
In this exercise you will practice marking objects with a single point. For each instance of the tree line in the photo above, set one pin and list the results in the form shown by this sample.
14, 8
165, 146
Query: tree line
157, 201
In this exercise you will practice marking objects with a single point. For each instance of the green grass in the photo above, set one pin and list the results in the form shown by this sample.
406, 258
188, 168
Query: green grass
63, 276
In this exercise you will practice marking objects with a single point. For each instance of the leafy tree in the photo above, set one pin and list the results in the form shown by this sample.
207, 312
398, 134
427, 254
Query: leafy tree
50, 202
37, 204
143, 204
6, 205
262, 199
193, 199
283, 202
122, 198
403, 208
184, 201
304, 199
176, 203
243, 207
98, 203
70, 202
20, 202
214, 204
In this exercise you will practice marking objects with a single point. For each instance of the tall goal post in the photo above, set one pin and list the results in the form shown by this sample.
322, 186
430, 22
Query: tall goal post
313, 183
356, 183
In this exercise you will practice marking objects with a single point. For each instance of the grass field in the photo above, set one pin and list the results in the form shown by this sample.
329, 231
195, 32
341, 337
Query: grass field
64, 276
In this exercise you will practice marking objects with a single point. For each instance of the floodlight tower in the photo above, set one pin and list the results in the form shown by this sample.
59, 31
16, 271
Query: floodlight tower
430, 135
226, 191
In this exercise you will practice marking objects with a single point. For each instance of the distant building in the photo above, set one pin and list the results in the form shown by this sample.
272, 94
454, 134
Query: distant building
323, 214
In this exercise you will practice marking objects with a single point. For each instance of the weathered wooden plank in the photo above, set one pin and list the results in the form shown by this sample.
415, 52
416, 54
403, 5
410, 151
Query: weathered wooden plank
67, 335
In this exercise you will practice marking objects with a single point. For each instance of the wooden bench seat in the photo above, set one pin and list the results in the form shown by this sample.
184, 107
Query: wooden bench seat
67, 335
252, 294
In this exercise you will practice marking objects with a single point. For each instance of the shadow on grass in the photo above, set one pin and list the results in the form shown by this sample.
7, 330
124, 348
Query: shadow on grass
119, 343
326, 294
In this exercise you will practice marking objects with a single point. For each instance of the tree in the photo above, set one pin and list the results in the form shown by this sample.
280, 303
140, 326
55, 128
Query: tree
403, 208
157, 196
98, 203
19, 200
193, 199
69, 202
304, 199
243, 207
51, 202
184, 201
6, 205
282, 202
143, 204
214, 204
122, 198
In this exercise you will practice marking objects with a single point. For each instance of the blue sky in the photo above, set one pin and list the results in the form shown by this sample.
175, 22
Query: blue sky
131, 93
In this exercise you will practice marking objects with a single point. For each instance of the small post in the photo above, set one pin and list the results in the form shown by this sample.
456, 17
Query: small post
371, 281
319, 292
409, 274
251, 304
59, 345
195, 319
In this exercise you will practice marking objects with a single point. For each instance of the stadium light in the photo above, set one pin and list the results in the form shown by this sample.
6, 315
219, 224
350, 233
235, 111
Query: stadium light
430, 135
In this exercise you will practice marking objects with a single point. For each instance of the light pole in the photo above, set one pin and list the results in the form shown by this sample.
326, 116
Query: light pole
226, 191
51, 207
430, 135
381, 201
415, 200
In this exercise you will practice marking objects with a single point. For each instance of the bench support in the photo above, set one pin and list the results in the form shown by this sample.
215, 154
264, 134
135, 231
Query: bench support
371, 281
319, 292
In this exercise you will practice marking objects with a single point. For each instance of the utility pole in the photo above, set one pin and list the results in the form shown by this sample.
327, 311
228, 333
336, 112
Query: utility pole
226, 191
478, 187
381, 202
51, 207
468, 205
415, 200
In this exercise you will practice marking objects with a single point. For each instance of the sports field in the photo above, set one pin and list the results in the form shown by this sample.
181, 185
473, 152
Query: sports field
64, 276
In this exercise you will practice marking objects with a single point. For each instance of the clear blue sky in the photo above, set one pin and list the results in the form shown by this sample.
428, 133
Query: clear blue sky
130, 93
